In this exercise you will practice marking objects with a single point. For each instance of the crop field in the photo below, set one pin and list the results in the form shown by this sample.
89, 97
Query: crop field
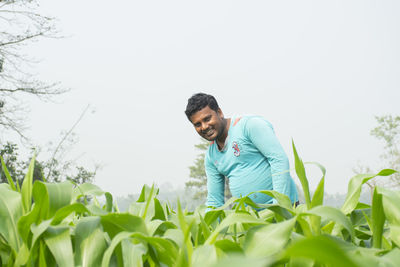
62, 224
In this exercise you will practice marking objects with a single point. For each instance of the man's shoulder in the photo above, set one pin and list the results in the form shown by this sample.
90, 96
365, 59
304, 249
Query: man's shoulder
248, 120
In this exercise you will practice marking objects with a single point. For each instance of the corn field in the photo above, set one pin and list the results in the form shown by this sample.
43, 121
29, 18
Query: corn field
61, 224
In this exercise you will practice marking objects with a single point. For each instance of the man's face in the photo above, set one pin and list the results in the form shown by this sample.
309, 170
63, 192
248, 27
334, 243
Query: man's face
208, 123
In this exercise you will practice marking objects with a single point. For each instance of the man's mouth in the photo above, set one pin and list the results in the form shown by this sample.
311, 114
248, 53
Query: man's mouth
209, 133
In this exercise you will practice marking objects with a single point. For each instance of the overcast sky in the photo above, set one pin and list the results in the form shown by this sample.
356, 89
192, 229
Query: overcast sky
319, 71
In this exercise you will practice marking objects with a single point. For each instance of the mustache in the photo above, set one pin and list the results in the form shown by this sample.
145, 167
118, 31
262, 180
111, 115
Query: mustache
206, 131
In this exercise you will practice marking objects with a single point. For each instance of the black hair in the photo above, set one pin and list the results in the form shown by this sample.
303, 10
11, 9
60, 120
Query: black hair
199, 101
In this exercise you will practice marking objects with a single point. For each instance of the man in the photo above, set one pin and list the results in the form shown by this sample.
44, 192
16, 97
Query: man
243, 149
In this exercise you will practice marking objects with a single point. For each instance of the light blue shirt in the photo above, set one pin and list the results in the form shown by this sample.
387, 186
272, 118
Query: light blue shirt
252, 159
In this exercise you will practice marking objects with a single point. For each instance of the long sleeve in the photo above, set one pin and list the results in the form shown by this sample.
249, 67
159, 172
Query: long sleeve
261, 134
215, 185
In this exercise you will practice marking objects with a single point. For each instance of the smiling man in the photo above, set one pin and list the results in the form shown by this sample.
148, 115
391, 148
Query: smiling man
244, 150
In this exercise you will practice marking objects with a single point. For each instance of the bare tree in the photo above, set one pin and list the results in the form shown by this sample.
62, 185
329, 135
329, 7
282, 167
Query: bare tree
20, 25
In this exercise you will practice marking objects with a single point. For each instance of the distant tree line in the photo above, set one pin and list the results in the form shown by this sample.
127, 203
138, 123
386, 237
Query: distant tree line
51, 170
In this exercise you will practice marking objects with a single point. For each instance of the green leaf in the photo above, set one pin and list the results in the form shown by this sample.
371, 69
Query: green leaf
354, 189
49, 199
204, 256
149, 197
231, 219
212, 215
328, 213
10, 212
386, 172
38, 213
321, 249
133, 253
152, 226
266, 240
185, 252
159, 228
90, 242
228, 203
96, 210
228, 246
390, 203
87, 189
280, 212
7, 174
366, 257
204, 228
305, 226
136, 208
27, 185
115, 223
318, 197
301, 173
361, 206
358, 216
64, 212
60, 195
282, 199
42, 256
392, 257
147, 193
159, 212
22, 256
175, 235
109, 202
378, 219
38, 230
165, 250
58, 241
4, 246
238, 260
110, 250
118, 222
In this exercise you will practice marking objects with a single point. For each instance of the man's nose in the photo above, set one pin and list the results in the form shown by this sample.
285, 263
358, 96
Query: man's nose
204, 126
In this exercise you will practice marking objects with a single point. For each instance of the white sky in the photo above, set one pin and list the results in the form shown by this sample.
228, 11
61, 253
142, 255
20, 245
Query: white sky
318, 70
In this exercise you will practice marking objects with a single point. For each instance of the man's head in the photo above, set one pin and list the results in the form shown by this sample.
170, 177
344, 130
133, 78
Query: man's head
199, 101
207, 118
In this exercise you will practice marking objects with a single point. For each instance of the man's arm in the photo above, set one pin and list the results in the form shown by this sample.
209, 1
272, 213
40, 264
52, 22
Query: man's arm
261, 134
215, 185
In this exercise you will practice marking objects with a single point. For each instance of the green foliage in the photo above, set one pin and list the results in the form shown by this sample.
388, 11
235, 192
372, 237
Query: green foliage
388, 130
56, 171
61, 228
198, 181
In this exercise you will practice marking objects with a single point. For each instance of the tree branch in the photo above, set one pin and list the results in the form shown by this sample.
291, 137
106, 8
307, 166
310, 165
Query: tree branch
63, 139
22, 39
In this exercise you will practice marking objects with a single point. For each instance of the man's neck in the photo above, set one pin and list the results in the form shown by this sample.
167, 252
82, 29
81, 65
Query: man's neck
221, 140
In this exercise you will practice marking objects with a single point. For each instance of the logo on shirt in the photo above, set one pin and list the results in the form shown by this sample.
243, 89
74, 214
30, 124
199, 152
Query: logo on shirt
236, 149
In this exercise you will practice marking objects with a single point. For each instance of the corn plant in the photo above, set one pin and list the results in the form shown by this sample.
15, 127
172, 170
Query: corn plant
62, 224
